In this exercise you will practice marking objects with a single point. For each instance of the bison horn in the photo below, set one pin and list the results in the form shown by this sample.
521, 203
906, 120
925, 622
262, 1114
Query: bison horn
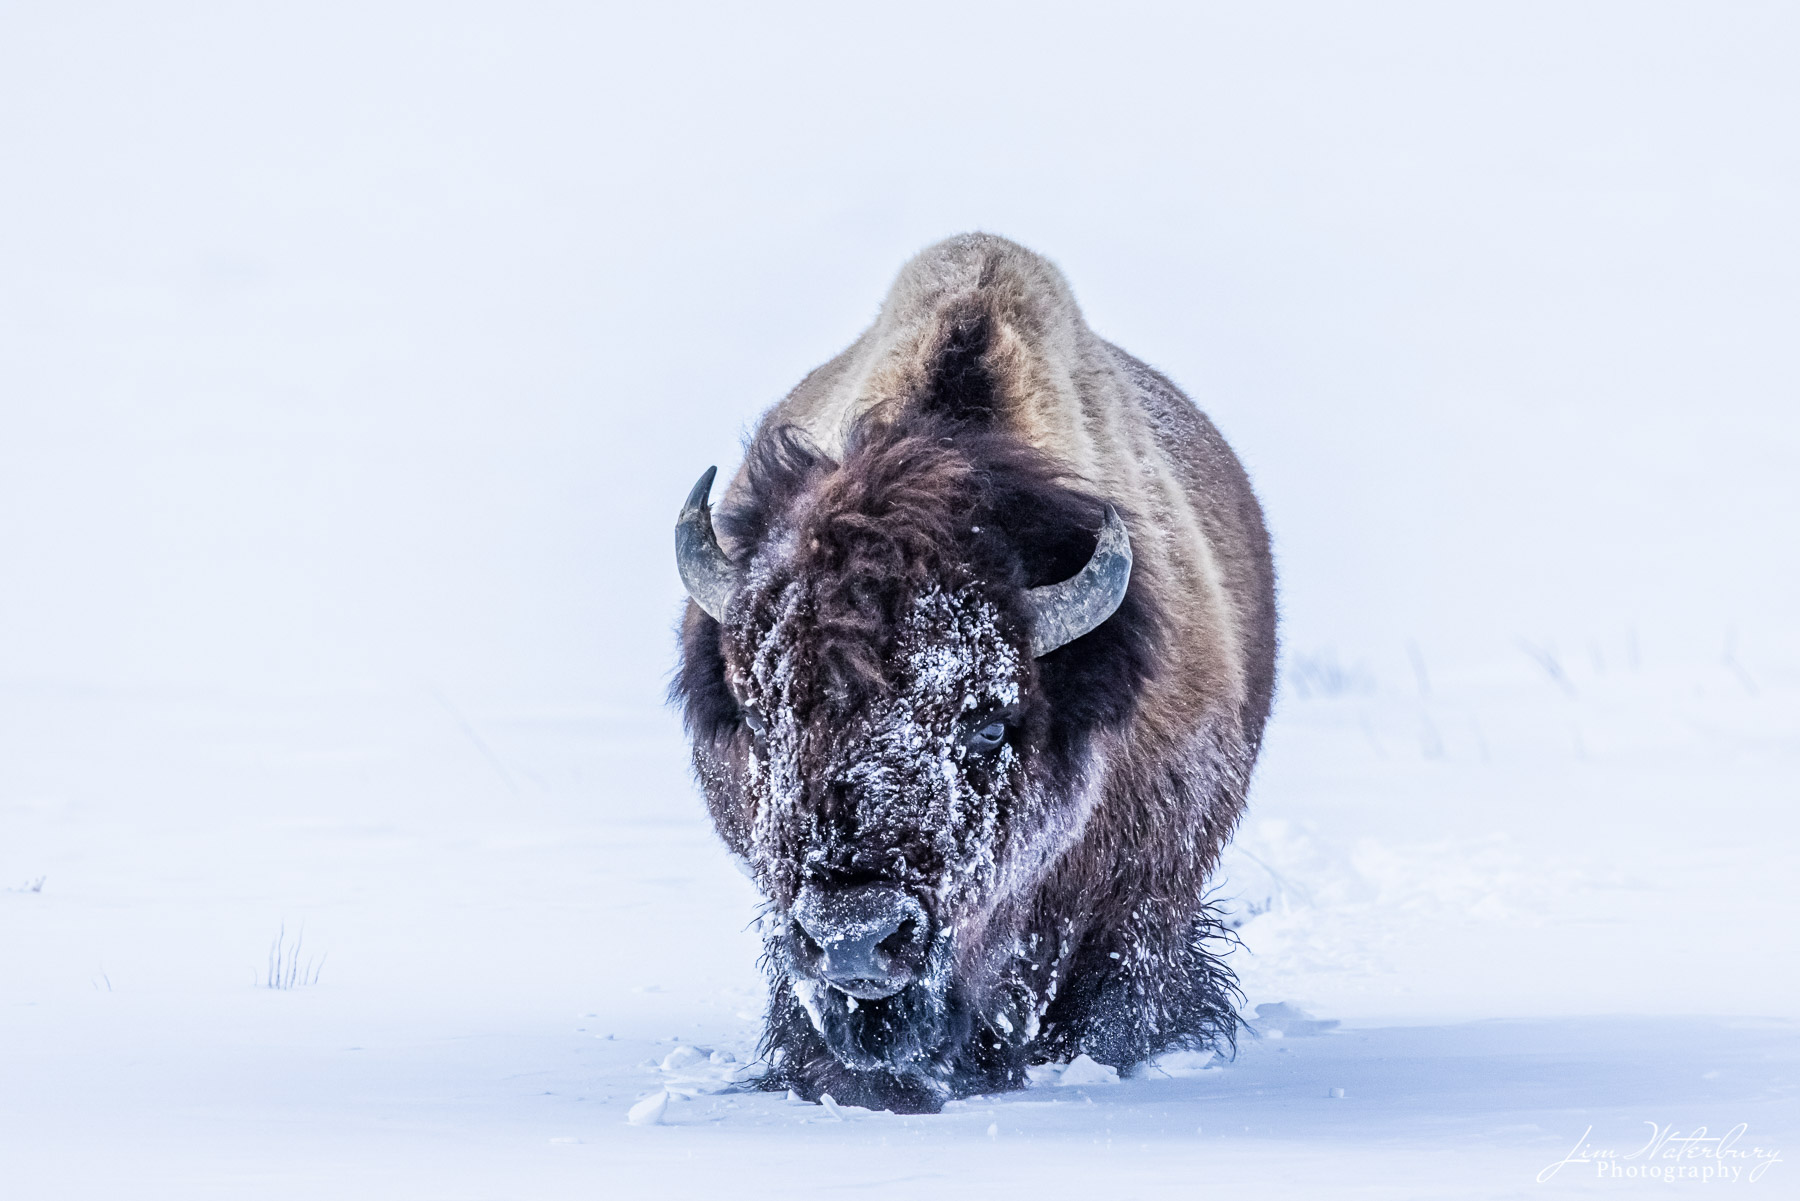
1061, 613
709, 576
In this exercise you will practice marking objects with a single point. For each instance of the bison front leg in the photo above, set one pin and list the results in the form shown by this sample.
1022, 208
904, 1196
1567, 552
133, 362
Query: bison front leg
1132, 999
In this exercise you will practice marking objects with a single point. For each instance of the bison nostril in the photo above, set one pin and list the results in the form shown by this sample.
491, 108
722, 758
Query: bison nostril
803, 942
900, 941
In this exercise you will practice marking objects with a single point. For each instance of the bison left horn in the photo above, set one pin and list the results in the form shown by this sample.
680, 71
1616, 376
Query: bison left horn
709, 576
1061, 613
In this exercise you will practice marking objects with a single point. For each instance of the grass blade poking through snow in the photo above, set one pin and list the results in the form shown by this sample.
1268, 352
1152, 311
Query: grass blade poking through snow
285, 969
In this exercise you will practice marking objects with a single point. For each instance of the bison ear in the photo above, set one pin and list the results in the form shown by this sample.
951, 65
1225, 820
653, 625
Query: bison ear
710, 577
1061, 613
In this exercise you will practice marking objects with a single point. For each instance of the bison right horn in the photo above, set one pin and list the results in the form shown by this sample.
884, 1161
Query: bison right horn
1061, 613
710, 578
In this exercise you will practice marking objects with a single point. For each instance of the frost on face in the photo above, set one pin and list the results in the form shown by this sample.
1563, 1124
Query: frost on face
916, 778
889, 787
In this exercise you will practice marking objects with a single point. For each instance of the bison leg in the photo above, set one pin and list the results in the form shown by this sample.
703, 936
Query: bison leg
1133, 1000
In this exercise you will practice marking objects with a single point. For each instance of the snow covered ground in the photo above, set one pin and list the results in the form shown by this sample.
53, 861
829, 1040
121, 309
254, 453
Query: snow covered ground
355, 357
521, 927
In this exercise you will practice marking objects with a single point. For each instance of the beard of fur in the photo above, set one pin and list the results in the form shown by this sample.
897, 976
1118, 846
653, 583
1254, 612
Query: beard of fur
908, 1053
901, 1034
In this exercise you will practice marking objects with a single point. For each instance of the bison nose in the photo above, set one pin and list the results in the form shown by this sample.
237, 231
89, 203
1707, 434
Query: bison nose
867, 941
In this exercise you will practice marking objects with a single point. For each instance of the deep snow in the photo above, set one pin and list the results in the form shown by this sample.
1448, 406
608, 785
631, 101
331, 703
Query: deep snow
508, 967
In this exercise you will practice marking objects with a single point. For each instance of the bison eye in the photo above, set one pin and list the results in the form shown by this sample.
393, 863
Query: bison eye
988, 737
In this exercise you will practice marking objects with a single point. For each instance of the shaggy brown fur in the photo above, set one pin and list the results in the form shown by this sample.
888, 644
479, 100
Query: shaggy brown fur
890, 516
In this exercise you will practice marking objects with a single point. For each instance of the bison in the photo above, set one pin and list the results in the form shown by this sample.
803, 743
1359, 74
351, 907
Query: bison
978, 659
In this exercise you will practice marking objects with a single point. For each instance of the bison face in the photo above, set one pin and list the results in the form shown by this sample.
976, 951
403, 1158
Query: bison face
904, 778
880, 808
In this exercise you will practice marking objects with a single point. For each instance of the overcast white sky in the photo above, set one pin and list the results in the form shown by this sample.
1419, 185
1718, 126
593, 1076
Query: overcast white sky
378, 343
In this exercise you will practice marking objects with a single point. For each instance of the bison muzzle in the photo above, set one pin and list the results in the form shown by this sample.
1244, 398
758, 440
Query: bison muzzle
978, 661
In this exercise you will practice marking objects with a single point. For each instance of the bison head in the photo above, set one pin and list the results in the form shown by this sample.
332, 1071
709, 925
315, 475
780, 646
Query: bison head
872, 689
